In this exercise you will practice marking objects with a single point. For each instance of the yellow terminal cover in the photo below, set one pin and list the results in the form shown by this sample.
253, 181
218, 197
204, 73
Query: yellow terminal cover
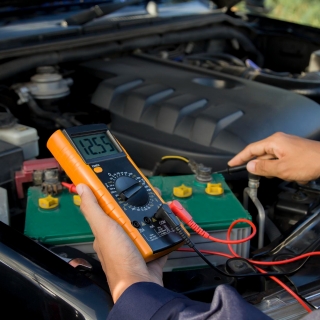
214, 189
182, 191
77, 200
48, 202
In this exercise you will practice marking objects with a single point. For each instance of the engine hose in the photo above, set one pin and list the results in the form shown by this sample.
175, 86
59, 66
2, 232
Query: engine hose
60, 120
19, 65
303, 86
308, 88
218, 32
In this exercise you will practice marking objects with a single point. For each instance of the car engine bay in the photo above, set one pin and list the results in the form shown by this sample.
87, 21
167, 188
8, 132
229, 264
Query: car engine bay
182, 101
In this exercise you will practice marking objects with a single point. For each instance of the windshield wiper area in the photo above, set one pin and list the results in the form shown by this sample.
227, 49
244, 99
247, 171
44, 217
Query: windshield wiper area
96, 12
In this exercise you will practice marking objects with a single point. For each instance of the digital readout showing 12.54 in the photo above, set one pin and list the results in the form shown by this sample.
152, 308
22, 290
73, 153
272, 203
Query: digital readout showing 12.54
94, 146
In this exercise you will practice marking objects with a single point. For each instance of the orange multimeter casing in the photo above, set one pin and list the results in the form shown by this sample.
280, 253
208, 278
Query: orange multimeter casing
90, 154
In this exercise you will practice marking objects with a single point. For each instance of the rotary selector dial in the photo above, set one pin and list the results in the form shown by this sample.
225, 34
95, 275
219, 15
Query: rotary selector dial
131, 191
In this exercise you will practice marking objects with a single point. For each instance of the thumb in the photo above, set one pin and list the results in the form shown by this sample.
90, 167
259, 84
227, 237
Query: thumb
261, 167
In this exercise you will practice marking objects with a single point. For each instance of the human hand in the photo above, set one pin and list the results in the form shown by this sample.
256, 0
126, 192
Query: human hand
119, 257
294, 158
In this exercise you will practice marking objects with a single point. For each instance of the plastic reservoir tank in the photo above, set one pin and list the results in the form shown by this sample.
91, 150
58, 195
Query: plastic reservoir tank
19, 135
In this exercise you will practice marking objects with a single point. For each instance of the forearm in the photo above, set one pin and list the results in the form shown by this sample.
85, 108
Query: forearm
120, 283
144, 301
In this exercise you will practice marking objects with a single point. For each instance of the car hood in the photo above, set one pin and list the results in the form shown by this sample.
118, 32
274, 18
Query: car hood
22, 3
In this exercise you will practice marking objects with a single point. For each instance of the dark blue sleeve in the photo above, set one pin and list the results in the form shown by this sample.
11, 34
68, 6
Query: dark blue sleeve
149, 301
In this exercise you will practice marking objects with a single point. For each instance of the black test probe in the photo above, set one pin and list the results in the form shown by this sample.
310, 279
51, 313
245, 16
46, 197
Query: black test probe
231, 170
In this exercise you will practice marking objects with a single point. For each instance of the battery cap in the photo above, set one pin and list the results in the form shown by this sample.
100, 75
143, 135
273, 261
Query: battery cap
182, 191
48, 202
77, 200
214, 189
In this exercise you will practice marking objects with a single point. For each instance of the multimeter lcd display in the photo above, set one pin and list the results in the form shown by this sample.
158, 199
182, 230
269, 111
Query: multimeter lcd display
94, 146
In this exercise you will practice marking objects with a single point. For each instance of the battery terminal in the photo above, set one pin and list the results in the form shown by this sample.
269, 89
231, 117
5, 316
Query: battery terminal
48, 202
214, 189
77, 200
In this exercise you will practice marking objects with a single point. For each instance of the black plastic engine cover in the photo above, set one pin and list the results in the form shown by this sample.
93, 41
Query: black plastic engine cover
161, 107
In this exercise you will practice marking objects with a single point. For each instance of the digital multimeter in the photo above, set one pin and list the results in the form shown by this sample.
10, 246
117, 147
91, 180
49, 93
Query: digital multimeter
90, 154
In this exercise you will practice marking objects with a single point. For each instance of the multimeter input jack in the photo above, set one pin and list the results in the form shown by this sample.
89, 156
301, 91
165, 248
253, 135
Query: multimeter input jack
136, 224
147, 220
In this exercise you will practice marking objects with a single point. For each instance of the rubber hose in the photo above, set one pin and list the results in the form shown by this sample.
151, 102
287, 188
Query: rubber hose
221, 32
63, 122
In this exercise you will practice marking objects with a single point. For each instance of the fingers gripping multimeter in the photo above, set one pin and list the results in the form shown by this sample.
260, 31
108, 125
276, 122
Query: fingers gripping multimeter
90, 154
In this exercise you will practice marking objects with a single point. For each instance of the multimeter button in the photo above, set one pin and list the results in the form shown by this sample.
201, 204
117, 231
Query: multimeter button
136, 224
97, 169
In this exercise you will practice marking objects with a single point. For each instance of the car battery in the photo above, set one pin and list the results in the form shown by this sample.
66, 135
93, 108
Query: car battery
57, 220
214, 210
213, 207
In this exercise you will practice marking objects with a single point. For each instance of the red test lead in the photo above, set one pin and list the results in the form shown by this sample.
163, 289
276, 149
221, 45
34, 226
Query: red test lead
186, 217
180, 211
70, 186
